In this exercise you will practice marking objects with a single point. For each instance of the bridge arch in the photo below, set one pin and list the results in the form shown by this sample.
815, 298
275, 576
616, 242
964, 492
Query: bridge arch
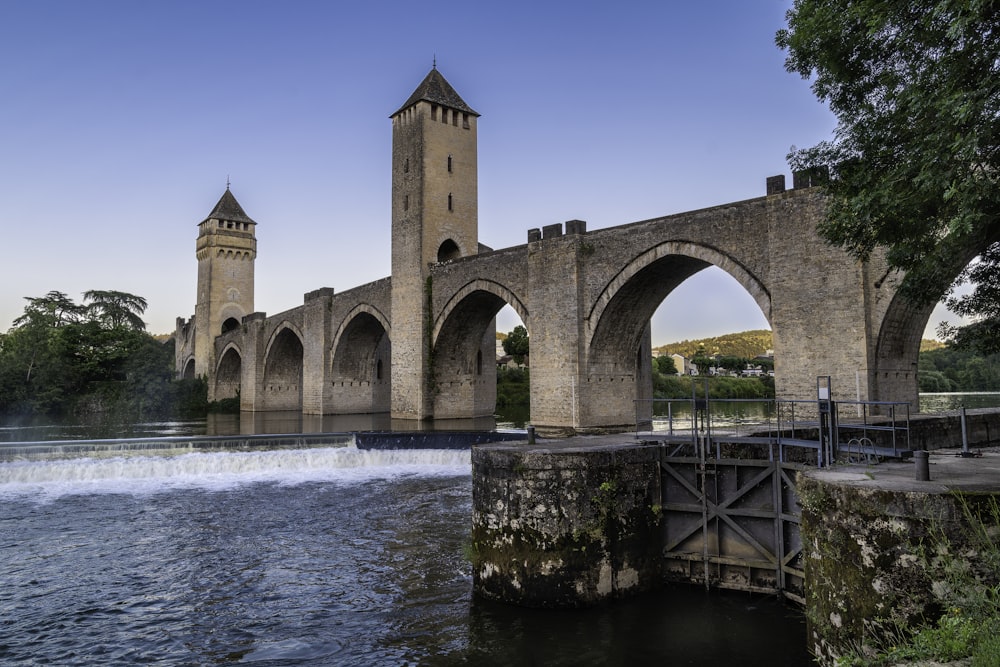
897, 346
660, 278
282, 380
464, 349
458, 299
617, 370
228, 373
230, 317
360, 362
187, 372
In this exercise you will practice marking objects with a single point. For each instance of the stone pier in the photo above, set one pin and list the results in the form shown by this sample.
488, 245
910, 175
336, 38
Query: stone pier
869, 534
566, 524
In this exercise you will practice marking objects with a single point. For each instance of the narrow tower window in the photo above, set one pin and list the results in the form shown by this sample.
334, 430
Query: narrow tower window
406, 202
449, 164
449, 202
434, 112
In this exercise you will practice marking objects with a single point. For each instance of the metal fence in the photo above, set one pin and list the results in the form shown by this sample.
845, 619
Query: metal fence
779, 429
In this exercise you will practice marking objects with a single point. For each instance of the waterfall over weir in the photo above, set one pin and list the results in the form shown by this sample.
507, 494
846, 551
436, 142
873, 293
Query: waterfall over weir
149, 465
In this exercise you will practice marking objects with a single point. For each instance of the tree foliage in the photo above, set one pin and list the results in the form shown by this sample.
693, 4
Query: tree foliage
665, 365
718, 387
513, 387
116, 309
955, 369
516, 344
62, 357
915, 158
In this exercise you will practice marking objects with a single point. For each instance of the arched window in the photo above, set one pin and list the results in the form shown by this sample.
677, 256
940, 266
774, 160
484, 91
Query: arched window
448, 250
230, 324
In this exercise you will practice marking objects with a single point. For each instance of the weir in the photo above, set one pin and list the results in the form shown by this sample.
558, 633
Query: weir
362, 440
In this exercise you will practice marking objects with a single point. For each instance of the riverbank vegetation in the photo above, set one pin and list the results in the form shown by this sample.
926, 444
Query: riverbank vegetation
94, 358
949, 368
678, 386
513, 387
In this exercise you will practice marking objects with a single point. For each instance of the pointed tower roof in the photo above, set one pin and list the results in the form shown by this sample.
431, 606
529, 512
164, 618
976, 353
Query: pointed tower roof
435, 89
229, 209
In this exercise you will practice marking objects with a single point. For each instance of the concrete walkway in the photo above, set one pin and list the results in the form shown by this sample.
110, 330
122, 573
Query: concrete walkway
948, 472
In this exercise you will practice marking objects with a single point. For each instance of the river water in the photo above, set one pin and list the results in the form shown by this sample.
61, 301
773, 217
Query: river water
324, 556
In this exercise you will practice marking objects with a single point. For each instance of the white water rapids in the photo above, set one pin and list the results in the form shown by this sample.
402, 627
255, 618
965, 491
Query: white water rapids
144, 473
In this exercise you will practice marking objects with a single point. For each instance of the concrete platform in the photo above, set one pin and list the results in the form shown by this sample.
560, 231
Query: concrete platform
948, 472
573, 443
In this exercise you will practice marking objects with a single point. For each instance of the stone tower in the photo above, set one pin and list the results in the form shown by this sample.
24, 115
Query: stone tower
434, 218
226, 250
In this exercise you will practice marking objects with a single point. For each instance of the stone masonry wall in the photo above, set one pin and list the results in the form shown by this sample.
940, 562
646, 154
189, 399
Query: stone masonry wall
571, 530
870, 551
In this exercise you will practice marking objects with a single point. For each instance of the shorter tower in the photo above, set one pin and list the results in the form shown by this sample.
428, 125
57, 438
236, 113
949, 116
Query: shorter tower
226, 250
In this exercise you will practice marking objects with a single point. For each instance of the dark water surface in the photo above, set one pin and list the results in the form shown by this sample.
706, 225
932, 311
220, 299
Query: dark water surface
315, 557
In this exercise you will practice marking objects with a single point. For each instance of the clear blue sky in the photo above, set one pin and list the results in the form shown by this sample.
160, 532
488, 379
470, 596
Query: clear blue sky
122, 120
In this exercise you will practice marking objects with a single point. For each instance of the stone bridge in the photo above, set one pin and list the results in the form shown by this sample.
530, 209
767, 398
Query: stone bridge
421, 343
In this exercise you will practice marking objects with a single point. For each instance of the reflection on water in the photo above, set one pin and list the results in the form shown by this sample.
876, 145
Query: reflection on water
680, 414
678, 411
244, 423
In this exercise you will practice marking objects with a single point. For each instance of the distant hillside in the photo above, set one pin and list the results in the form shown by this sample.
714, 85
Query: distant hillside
747, 344
927, 344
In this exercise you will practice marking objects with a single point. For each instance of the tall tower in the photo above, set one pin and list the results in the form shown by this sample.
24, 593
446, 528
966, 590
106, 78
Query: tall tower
435, 217
226, 249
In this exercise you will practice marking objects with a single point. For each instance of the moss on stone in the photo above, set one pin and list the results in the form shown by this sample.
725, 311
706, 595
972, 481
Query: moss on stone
867, 555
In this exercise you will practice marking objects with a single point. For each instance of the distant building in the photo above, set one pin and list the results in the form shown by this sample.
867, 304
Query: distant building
682, 364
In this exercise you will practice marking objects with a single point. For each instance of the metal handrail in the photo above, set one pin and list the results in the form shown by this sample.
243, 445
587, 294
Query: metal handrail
787, 423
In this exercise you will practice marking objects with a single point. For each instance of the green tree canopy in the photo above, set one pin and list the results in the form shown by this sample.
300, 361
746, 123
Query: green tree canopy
915, 159
55, 309
116, 309
61, 356
516, 344
665, 365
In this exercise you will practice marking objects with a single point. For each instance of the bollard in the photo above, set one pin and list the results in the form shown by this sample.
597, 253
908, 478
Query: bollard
923, 465
965, 433
531, 434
